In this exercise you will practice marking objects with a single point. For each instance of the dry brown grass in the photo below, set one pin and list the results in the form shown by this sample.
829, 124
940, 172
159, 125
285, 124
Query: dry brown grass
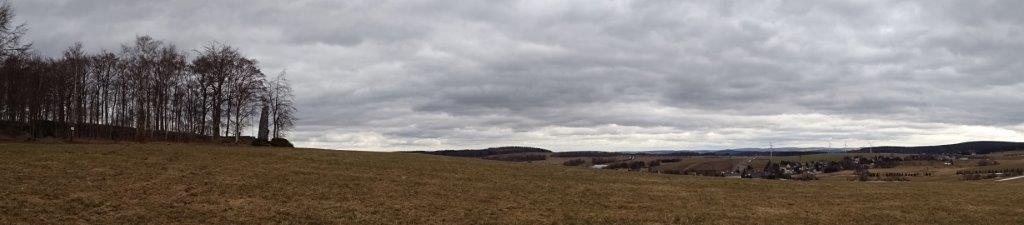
194, 184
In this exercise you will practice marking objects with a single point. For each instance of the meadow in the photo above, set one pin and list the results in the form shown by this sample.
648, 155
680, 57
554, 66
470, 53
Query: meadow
160, 183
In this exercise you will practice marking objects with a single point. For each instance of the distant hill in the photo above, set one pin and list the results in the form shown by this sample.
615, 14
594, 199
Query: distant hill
589, 154
760, 153
791, 149
976, 147
786, 151
486, 152
728, 152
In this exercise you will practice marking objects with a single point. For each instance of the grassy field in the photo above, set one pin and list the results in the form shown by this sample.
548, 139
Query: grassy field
200, 184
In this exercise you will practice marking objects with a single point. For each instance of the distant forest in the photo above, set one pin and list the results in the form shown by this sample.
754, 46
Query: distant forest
485, 152
145, 90
966, 148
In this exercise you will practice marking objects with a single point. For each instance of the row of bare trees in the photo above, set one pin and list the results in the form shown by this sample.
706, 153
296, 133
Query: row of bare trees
149, 88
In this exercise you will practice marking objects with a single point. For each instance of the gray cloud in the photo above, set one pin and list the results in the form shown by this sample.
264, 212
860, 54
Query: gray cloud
609, 75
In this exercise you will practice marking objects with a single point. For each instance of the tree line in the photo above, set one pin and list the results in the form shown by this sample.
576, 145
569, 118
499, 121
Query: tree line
480, 153
146, 90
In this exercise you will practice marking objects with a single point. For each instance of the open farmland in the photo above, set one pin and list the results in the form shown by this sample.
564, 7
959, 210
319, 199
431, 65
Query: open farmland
205, 184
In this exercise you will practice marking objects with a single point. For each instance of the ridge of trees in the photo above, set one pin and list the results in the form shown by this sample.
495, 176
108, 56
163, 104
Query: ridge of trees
966, 148
486, 152
146, 90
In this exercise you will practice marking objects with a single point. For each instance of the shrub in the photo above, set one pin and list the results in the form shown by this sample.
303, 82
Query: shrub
603, 160
987, 162
281, 142
805, 177
518, 157
618, 165
260, 142
672, 160
575, 162
654, 163
636, 165
862, 173
13, 129
972, 177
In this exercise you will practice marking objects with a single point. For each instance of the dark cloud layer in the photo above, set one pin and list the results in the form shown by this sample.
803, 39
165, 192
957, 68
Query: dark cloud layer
608, 75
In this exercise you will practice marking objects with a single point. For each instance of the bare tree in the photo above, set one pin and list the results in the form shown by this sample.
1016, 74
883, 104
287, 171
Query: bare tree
245, 87
169, 73
214, 66
282, 110
105, 69
75, 71
10, 33
140, 61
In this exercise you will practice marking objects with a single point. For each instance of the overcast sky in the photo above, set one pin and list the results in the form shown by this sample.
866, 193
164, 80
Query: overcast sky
601, 75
